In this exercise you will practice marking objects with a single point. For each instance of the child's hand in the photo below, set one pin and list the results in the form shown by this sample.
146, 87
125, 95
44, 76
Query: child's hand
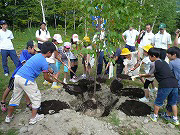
69, 67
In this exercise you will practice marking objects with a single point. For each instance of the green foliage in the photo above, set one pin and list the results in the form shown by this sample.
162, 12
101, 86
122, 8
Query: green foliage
113, 119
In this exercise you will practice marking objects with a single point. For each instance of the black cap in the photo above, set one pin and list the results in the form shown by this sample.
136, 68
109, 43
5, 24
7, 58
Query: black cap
42, 23
2, 22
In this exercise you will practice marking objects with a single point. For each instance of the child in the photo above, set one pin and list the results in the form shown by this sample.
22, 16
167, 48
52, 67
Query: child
168, 85
147, 64
130, 61
57, 39
173, 54
65, 53
25, 55
25, 82
73, 58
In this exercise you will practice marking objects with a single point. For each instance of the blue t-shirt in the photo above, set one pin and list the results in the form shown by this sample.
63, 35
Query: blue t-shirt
175, 67
33, 67
24, 56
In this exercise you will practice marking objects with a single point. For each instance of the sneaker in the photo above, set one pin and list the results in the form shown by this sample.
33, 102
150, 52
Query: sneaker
8, 119
65, 82
153, 118
84, 76
3, 107
46, 83
144, 99
165, 116
73, 80
56, 87
6, 74
175, 122
36, 119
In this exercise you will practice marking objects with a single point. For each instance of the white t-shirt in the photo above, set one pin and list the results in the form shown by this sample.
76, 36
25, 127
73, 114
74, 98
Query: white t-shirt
5, 40
130, 63
147, 39
162, 40
44, 35
179, 40
52, 59
130, 36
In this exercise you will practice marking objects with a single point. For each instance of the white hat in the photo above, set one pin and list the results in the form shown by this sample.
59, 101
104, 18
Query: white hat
75, 38
58, 38
67, 44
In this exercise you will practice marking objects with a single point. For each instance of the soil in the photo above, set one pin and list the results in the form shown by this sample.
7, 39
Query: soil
124, 76
131, 92
116, 85
55, 105
74, 89
135, 108
101, 79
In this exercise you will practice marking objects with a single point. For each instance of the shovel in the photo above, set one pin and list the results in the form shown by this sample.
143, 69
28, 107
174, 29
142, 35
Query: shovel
71, 70
133, 77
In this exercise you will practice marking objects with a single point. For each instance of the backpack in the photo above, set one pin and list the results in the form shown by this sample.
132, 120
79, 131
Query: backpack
40, 32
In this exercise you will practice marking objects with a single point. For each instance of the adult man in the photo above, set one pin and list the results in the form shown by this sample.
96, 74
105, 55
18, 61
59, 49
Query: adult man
42, 35
177, 38
145, 39
162, 40
130, 38
6, 47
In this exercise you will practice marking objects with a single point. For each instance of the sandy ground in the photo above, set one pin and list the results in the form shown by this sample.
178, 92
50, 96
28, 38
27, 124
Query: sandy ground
70, 122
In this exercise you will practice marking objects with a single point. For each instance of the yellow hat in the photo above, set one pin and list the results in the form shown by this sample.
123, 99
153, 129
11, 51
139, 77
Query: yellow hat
125, 51
147, 47
87, 39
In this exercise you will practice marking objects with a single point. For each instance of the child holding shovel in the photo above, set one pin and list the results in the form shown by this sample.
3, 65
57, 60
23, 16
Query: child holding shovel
25, 82
24, 56
167, 87
147, 64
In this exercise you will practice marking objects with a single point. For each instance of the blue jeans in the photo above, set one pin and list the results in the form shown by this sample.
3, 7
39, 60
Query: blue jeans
170, 93
100, 63
131, 48
13, 56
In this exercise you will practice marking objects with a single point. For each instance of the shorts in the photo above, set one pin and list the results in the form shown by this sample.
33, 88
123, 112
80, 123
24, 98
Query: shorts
169, 107
131, 48
53, 67
58, 65
146, 84
11, 83
170, 93
31, 89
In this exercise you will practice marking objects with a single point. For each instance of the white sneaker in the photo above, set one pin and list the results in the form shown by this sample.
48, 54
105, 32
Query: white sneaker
36, 119
65, 82
6, 74
144, 99
8, 119
84, 76
73, 80
46, 83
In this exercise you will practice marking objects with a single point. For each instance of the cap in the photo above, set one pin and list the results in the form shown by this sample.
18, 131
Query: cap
75, 37
125, 51
147, 47
67, 45
87, 39
162, 26
2, 22
42, 23
58, 38
33, 44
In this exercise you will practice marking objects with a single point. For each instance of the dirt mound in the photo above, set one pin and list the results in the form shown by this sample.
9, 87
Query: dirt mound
74, 89
101, 79
124, 76
131, 92
116, 85
135, 108
55, 105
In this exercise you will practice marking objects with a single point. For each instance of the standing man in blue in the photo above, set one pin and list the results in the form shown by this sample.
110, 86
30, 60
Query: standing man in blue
130, 39
6, 47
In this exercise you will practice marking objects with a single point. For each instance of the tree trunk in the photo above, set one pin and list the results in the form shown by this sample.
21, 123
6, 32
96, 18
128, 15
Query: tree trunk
65, 22
55, 21
85, 27
74, 16
43, 14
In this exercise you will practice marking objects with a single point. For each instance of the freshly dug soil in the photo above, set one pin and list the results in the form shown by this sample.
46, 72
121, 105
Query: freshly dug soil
91, 87
124, 76
74, 89
135, 108
85, 82
101, 79
55, 105
131, 92
116, 86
